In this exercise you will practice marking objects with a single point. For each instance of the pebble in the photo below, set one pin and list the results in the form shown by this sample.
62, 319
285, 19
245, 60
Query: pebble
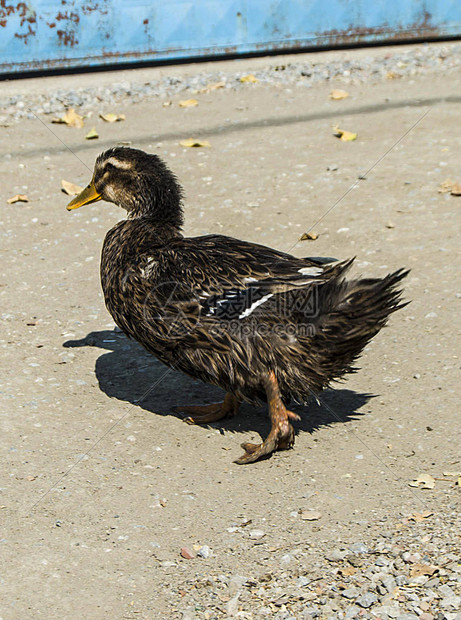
204, 552
358, 547
367, 600
302, 581
286, 559
236, 583
353, 611
257, 534
350, 592
420, 60
186, 553
451, 603
311, 612
336, 555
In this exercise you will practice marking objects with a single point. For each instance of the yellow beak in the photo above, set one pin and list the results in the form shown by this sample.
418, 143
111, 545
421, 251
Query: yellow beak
86, 197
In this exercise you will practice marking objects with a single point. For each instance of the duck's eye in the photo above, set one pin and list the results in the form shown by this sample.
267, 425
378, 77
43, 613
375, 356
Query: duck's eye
109, 167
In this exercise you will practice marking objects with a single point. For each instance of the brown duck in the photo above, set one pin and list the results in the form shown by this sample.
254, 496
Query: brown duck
261, 324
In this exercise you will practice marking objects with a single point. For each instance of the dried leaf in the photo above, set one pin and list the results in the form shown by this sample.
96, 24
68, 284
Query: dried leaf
426, 481
70, 118
193, 143
457, 474
70, 188
418, 517
310, 515
31, 478
250, 78
392, 75
446, 186
167, 104
17, 198
417, 570
92, 134
210, 87
449, 186
309, 236
338, 94
111, 117
188, 103
345, 136
347, 571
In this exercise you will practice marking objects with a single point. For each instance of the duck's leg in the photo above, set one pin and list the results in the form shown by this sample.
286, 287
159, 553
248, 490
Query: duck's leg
281, 436
204, 414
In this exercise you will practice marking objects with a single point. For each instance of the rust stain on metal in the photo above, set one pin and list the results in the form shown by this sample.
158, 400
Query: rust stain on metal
94, 6
68, 36
27, 17
421, 27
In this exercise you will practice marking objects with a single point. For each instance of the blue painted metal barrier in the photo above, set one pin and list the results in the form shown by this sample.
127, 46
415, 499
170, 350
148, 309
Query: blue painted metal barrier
44, 34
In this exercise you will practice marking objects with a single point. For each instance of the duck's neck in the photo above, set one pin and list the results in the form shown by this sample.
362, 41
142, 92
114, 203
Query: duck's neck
161, 206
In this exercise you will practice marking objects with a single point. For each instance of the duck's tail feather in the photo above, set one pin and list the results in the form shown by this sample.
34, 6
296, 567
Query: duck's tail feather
350, 313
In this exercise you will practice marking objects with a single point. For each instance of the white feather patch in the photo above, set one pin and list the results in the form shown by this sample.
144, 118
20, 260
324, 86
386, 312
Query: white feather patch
118, 163
310, 271
255, 305
149, 268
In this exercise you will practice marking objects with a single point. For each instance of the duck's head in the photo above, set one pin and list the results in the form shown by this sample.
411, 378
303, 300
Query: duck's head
137, 181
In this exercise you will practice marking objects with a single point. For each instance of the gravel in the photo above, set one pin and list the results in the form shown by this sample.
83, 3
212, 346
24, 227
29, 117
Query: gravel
313, 583
418, 60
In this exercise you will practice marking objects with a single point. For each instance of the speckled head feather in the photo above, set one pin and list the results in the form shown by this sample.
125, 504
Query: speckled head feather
140, 183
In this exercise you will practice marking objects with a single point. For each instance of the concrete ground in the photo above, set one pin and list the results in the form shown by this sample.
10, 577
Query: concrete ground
101, 486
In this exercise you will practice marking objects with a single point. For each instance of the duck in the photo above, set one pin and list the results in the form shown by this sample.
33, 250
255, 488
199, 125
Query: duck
262, 324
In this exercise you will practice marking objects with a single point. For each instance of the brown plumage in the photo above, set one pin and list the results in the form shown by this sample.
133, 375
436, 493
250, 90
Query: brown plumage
261, 324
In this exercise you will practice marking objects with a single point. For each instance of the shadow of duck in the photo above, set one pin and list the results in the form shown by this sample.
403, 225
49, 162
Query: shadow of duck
129, 373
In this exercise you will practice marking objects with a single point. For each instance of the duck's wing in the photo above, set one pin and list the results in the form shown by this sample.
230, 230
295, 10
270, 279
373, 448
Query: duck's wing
221, 278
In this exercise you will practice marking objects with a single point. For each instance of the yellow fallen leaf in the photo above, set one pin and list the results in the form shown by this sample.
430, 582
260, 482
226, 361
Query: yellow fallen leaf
418, 517
426, 481
347, 571
188, 103
250, 79
338, 94
310, 515
92, 134
446, 186
17, 198
166, 104
110, 117
309, 236
392, 75
345, 136
70, 188
213, 86
70, 118
450, 186
192, 143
